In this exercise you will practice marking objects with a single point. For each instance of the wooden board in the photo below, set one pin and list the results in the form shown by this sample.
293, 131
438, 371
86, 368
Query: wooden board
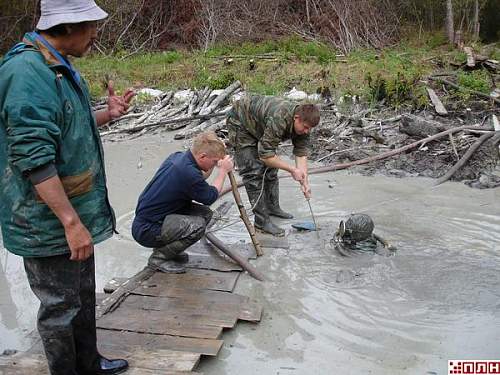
159, 323
225, 314
438, 105
203, 247
159, 359
249, 310
192, 279
140, 362
123, 339
211, 262
267, 240
111, 302
209, 314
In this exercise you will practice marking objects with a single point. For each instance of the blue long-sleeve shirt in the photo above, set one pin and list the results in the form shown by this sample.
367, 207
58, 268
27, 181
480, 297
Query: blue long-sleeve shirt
175, 185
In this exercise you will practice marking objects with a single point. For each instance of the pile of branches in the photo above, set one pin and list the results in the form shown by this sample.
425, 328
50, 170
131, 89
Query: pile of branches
192, 111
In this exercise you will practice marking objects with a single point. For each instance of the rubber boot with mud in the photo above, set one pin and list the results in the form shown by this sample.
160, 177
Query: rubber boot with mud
262, 221
273, 200
164, 259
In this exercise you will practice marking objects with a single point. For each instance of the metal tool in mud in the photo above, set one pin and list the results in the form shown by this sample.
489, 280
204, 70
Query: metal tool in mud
312, 213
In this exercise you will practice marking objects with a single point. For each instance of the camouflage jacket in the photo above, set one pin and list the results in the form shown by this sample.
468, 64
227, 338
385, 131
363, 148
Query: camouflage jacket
45, 117
264, 121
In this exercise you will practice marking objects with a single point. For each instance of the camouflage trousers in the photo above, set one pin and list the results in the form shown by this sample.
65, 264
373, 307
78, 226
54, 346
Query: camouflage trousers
66, 317
183, 229
250, 167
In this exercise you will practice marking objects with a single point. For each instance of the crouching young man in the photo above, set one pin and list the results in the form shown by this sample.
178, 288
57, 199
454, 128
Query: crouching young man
172, 212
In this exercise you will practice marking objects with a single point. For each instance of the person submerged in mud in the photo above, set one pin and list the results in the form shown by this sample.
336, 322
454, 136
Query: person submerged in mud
257, 124
355, 235
166, 218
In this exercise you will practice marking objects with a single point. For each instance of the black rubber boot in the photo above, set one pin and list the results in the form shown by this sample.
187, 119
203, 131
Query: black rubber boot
164, 259
262, 221
273, 200
104, 366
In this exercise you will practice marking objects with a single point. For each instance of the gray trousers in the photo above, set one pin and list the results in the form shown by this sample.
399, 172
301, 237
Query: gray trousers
66, 317
183, 229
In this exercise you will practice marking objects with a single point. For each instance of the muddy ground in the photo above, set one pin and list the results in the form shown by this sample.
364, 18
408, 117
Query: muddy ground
360, 133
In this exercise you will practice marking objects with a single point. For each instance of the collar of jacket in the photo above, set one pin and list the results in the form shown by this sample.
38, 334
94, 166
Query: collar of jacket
50, 59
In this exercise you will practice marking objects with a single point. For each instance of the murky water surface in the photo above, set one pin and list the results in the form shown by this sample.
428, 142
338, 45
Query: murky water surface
437, 298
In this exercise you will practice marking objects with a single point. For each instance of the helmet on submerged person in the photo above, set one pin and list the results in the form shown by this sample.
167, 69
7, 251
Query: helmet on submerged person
357, 227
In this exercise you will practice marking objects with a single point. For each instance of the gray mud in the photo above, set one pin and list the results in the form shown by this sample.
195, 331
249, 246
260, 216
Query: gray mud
436, 299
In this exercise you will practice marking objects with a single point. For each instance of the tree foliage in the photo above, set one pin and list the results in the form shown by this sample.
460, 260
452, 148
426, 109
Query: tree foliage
136, 25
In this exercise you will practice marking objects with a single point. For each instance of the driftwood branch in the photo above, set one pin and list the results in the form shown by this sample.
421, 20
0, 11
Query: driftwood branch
464, 159
135, 129
454, 85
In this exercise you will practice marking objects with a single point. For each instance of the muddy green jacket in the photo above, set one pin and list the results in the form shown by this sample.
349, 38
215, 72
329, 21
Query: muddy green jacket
264, 121
45, 117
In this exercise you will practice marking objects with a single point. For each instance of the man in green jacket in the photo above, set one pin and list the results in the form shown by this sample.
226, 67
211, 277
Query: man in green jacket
53, 198
257, 124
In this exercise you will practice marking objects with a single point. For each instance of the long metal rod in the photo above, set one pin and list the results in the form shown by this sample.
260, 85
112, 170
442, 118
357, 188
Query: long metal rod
312, 214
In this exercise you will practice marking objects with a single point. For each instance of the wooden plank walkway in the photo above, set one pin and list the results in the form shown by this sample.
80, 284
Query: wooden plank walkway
162, 323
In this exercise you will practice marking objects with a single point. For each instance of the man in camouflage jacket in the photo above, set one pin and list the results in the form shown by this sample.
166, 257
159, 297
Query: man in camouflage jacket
257, 124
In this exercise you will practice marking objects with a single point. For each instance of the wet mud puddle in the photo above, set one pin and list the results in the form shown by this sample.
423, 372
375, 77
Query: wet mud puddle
436, 299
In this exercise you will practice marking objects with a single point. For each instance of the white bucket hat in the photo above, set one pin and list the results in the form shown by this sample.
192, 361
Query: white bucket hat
56, 12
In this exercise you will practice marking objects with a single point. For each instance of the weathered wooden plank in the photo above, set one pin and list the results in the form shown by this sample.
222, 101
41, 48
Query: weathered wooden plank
176, 309
213, 313
22, 364
193, 279
120, 293
159, 360
203, 247
123, 339
438, 105
159, 323
140, 362
211, 262
138, 371
249, 310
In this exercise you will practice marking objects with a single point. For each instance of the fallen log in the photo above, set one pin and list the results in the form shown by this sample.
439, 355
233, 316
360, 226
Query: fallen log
416, 126
464, 159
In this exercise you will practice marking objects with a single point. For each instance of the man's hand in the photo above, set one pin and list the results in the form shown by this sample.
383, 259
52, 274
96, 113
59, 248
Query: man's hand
118, 105
298, 175
306, 189
226, 164
79, 241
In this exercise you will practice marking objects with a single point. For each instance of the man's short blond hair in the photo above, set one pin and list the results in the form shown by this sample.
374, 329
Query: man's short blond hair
208, 143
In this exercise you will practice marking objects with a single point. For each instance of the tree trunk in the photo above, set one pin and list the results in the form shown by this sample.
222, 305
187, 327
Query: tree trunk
450, 30
476, 20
